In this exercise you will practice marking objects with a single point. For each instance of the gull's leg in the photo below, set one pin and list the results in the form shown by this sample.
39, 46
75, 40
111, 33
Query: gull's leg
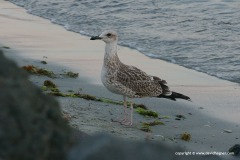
125, 107
131, 120
124, 120
129, 123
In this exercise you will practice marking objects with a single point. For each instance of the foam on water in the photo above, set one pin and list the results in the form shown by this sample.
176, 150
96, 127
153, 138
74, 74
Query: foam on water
203, 35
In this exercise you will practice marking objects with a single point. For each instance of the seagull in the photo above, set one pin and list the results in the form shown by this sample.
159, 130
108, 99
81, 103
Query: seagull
129, 81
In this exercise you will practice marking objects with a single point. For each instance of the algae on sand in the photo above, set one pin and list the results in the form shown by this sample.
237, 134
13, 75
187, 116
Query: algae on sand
49, 85
153, 123
146, 126
70, 74
93, 98
186, 136
73, 95
39, 71
147, 112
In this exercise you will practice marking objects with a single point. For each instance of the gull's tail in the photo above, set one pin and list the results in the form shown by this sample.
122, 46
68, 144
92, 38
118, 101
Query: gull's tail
166, 93
175, 96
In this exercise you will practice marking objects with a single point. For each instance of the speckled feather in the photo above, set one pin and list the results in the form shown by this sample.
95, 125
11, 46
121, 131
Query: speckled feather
131, 81
127, 80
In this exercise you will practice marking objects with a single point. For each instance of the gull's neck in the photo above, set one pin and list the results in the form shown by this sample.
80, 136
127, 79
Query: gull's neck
111, 49
110, 56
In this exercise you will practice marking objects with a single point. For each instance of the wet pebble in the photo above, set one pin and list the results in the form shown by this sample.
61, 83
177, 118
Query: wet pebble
227, 131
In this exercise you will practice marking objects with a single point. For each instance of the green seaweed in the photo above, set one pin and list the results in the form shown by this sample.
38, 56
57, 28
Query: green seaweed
153, 123
98, 99
49, 85
54, 89
145, 128
60, 94
164, 117
45, 72
106, 100
73, 95
44, 88
85, 96
186, 136
147, 112
110, 101
72, 75
39, 71
139, 106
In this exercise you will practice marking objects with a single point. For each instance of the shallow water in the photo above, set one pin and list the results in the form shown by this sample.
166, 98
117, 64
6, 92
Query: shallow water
203, 35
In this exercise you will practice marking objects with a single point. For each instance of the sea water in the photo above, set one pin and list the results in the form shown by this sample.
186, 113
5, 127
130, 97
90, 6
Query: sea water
203, 35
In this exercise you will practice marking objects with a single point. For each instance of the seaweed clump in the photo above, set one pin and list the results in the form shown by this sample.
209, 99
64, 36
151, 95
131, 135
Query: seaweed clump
146, 126
49, 85
59, 94
147, 112
154, 123
139, 106
70, 74
186, 136
180, 117
39, 71
74, 95
99, 99
106, 100
85, 96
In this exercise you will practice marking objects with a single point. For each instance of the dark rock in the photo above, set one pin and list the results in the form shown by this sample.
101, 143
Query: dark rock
43, 62
180, 117
104, 147
235, 149
79, 135
31, 126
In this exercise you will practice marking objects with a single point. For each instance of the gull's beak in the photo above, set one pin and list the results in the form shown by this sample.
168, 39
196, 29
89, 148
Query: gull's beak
95, 38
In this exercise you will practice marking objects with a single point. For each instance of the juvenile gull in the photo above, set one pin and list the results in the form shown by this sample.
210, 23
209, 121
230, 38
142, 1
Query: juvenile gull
130, 81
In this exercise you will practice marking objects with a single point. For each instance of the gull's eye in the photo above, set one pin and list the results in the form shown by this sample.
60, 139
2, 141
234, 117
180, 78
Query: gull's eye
109, 34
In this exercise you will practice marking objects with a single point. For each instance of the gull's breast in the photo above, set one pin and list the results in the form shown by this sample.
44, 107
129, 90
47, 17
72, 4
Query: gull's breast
107, 80
104, 76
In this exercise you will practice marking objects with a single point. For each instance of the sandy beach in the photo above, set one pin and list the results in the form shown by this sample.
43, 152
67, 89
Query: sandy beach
212, 118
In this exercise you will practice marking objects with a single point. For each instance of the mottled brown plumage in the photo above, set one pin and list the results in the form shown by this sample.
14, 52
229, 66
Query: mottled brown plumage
129, 81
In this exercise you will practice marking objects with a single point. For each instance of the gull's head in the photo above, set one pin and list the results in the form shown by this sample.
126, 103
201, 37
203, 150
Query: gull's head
107, 37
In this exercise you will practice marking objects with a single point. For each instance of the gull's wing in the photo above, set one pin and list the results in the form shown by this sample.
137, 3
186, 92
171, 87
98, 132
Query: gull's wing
140, 82
131, 73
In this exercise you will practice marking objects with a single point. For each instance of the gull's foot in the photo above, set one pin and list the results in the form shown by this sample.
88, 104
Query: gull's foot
119, 120
127, 123
124, 122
